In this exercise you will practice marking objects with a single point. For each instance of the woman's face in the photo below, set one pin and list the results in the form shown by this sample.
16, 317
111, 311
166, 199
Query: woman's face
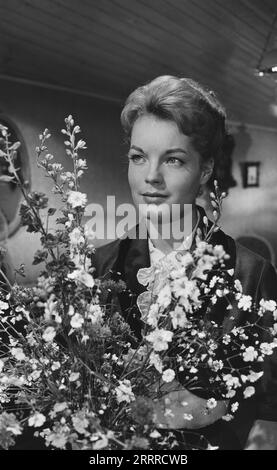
164, 168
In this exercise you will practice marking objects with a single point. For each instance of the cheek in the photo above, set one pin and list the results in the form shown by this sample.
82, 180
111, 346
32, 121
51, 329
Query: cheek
133, 178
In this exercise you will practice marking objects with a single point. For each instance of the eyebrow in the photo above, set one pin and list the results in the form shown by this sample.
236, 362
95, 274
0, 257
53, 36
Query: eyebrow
168, 152
175, 150
134, 147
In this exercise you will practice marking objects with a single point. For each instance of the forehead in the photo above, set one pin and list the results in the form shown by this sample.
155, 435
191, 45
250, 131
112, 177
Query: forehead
150, 131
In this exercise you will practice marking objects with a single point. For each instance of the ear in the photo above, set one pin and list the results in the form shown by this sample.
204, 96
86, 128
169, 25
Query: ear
207, 170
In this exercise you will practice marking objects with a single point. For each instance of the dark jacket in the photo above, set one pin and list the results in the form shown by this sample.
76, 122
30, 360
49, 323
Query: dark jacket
258, 278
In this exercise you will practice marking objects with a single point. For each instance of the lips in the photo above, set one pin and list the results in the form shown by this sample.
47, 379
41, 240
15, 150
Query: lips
154, 195
154, 198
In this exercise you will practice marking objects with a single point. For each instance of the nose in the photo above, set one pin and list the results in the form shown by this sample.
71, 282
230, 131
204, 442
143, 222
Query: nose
154, 174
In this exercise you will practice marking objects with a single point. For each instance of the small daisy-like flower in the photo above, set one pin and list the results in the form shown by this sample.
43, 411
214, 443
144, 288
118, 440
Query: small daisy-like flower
160, 339
267, 348
245, 302
168, 375
156, 361
18, 354
234, 407
3, 305
49, 334
124, 391
58, 407
76, 321
178, 317
37, 420
268, 305
76, 237
250, 354
80, 275
211, 403
77, 199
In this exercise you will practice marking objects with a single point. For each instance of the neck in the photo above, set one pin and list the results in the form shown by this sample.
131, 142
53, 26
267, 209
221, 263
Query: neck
169, 236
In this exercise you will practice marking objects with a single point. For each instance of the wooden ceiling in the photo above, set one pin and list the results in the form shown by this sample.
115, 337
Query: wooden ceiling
112, 46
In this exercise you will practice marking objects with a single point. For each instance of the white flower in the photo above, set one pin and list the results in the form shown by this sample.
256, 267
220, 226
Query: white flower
231, 381
37, 420
234, 407
95, 313
178, 317
160, 339
58, 407
268, 305
3, 305
71, 310
76, 236
70, 220
56, 365
153, 315
217, 365
168, 375
245, 302
156, 361
82, 276
164, 296
50, 310
226, 339
57, 439
74, 376
211, 403
35, 374
230, 394
49, 334
254, 376
77, 199
80, 423
18, 354
82, 164
76, 321
248, 392
267, 348
124, 391
250, 354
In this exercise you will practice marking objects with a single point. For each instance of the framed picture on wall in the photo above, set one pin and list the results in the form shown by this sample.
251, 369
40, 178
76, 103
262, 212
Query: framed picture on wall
250, 174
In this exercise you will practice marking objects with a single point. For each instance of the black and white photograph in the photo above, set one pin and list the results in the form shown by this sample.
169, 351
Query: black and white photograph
138, 229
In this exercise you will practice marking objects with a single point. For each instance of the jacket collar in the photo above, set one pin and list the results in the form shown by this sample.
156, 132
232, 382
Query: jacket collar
132, 253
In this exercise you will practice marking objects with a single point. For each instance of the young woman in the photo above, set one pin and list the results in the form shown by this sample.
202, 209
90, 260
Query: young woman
177, 132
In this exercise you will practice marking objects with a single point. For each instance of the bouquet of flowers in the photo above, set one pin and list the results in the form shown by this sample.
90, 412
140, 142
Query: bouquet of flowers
71, 369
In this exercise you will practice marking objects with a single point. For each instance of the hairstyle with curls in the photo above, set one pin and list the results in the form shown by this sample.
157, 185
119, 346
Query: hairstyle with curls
196, 111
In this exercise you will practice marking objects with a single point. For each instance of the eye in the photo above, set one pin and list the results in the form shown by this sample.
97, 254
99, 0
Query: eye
174, 161
136, 158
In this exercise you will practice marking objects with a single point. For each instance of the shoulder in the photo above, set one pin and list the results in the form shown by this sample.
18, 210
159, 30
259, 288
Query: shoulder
256, 274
